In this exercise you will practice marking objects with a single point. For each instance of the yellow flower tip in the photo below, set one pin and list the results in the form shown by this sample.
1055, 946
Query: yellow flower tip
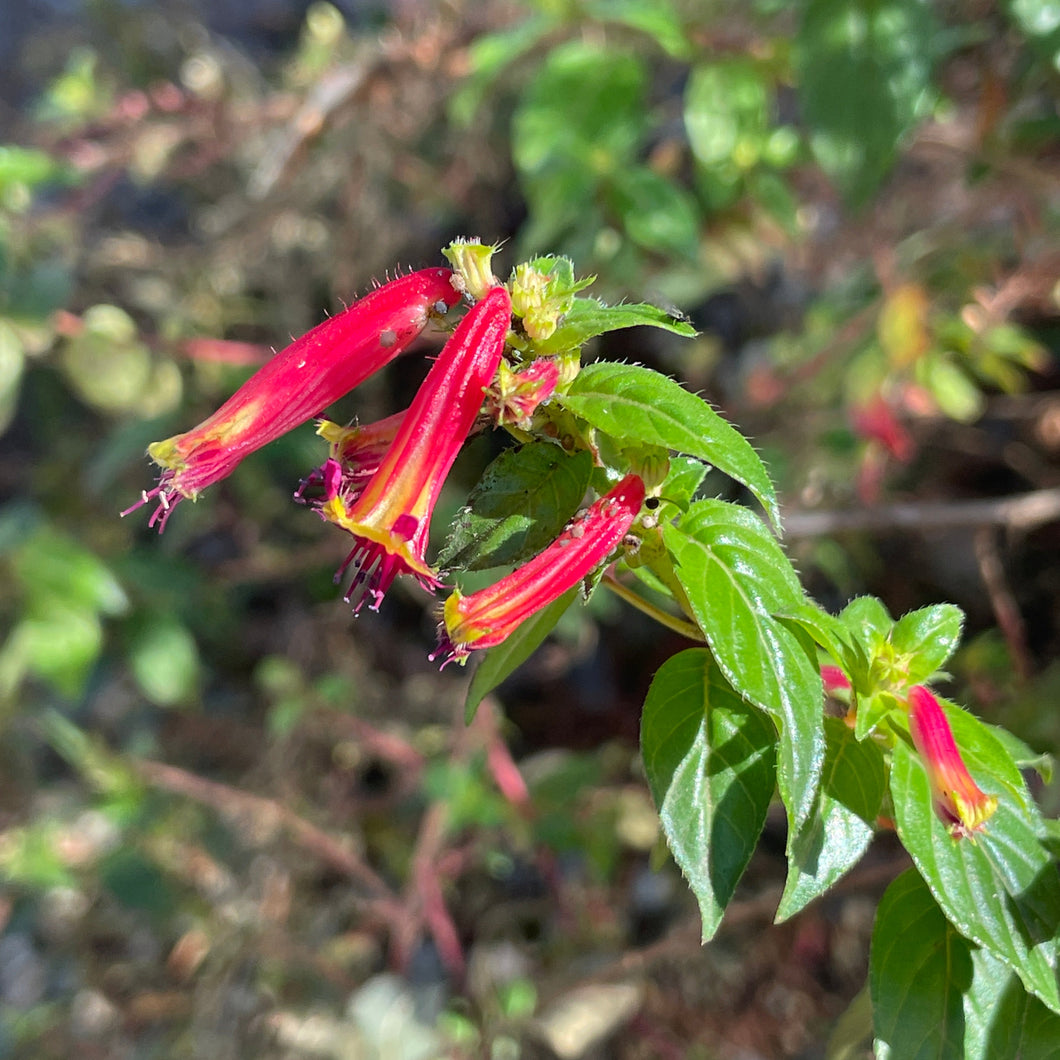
454, 641
461, 632
973, 812
167, 454
334, 511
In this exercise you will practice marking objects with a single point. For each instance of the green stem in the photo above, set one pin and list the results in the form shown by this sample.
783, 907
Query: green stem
678, 625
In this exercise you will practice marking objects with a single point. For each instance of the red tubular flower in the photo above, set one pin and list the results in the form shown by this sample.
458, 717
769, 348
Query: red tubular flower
515, 395
488, 617
296, 384
834, 679
391, 517
354, 456
876, 421
959, 802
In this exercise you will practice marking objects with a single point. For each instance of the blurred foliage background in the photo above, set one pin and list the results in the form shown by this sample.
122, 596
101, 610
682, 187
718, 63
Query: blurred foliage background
236, 823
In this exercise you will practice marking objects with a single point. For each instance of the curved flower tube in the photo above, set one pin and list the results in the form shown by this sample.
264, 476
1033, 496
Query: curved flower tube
391, 517
312, 372
959, 802
486, 618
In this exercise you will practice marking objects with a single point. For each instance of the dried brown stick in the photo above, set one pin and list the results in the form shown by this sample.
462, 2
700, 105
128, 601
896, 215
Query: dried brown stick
232, 802
1019, 513
1006, 610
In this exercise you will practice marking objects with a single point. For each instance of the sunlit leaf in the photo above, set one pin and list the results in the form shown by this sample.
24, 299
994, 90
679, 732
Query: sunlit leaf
926, 638
919, 969
518, 508
839, 830
736, 578
589, 317
634, 403
709, 760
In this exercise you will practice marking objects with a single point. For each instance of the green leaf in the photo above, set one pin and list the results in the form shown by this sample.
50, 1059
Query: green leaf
683, 479
589, 317
497, 663
656, 18
656, 213
709, 761
53, 566
107, 363
956, 394
562, 283
488, 58
165, 660
1023, 755
580, 118
56, 641
865, 80
831, 634
636, 404
868, 620
839, 831
919, 968
1037, 18
872, 709
12, 365
585, 107
927, 638
1040, 20
137, 883
852, 1031
24, 167
1001, 891
726, 113
736, 578
524, 499
1002, 1019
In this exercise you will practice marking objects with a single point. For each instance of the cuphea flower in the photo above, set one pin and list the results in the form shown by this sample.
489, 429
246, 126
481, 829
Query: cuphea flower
834, 679
516, 393
877, 421
297, 384
391, 517
958, 800
486, 618
354, 456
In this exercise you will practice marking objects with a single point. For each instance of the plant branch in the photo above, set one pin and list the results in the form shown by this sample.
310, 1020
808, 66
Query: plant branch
1023, 512
233, 803
678, 625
